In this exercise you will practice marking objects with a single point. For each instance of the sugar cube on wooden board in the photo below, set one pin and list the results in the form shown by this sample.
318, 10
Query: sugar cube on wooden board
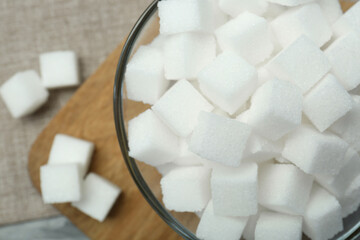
23, 93
68, 149
61, 183
59, 69
98, 196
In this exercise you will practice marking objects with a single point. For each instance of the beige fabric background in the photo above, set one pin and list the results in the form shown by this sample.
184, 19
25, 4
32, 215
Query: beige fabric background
92, 28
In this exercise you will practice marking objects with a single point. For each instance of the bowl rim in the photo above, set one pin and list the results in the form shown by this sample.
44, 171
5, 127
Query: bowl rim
121, 131
351, 234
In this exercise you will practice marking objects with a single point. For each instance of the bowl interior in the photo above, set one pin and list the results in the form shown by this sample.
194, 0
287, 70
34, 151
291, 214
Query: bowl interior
145, 176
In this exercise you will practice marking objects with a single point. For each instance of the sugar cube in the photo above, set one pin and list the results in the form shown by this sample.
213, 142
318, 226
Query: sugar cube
59, 69
23, 93
350, 202
348, 127
340, 183
186, 157
307, 20
215, 227
276, 109
247, 35
158, 42
322, 218
260, 149
219, 139
234, 190
235, 7
165, 168
331, 9
249, 231
290, 3
350, 21
186, 189
180, 106
68, 149
273, 11
185, 54
344, 56
98, 196
264, 75
272, 225
315, 152
228, 81
144, 76
60, 183
243, 116
323, 110
284, 188
150, 141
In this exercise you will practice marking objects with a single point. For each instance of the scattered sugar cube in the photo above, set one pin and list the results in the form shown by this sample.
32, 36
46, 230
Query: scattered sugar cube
60, 183
307, 20
302, 63
234, 190
68, 149
284, 188
228, 81
350, 202
260, 149
59, 69
348, 127
350, 21
272, 225
290, 3
186, 189
249, 231
322, 218
23, 93
215, 227
235, 7
185, 54
247, 35
186, 157
276, 109
344, 56
331, 9
180, 106
98, 196
323, 110
220, 139
315, 152
144, 76
164, 169
339, 184
150, 141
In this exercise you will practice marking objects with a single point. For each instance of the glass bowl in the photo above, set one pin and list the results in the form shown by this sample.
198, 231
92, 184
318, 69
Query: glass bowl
145, 176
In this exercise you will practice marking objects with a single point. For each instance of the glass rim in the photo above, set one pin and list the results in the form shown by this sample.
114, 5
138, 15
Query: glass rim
351, 234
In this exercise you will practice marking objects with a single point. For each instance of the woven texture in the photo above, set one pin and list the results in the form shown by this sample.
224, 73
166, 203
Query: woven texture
92, 29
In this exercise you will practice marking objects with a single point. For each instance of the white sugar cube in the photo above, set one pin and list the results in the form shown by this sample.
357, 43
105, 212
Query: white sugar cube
350, 202
344, 56
276, 109
164, 169
315, 152
158, 42
322, 218
186, 189
68, 149
249, 231
247, 35
302, 63
272, 225
244, 116
307, 20
284, 188
331, 9
260, 149
264, 75
150, 141
59, 69
186, 157
144, 76
273, 11
185, 54
290, 3
234, 190
235, 7
348, 127
98, 196
350, 21
219, 139
23, 93
323, 110
60, 183
228, 81
341, 182
180, 106
215, 227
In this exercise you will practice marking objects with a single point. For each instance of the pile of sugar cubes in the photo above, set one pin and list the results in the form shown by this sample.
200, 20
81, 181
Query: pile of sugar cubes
255, 121
65, 179
25, 92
